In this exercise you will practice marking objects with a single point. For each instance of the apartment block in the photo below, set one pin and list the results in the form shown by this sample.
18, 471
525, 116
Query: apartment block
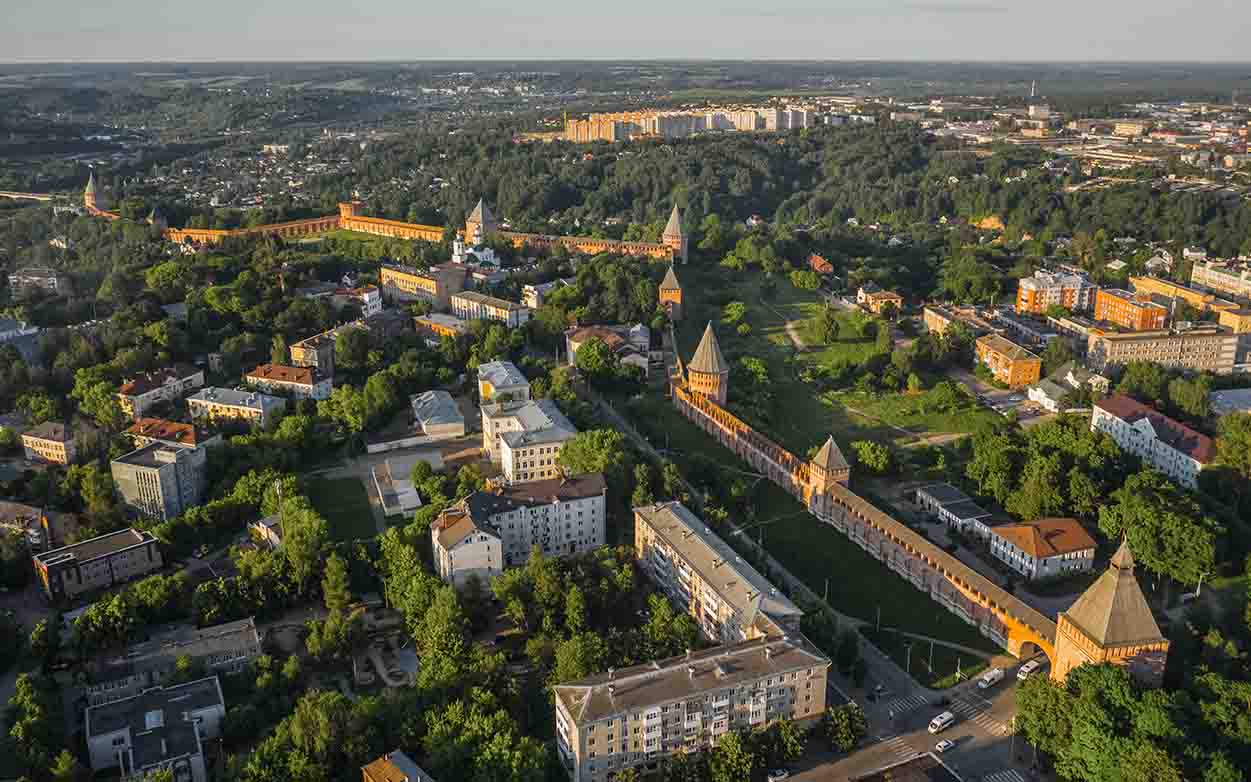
1229, 277
221, 650
138, 394
1046, 548
161, 481
41, 278
875, 300
435, 285
938, 318
1128, 310
559, 516
50, 442
1046, 289
316, 352
703, 576
635, 717
227, 404
527, 438
472, 305
437, 416
1165, 291
1171, 447
1010, 363
1237, 320
160, 729
436, 326
97, 563
295, 382
1206, 348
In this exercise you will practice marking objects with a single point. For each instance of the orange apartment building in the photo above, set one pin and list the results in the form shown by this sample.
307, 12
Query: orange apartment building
1010, 363
1165, 289
437, 285
1135, 312
1046, 289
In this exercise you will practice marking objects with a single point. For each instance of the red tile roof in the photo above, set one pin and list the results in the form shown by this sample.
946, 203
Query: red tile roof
1046, 537
280, 373
170, 431
1197, 446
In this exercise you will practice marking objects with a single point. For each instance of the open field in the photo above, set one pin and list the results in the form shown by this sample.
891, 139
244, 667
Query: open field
858, 584
345, 506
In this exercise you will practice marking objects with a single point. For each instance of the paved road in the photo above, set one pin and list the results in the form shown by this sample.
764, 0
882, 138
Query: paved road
982, 733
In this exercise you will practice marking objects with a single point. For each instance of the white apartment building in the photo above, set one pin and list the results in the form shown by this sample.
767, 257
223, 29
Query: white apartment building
728, 598
635, 717
465, 549
537, 428
140, 393
1229, 277
471, 305
559, 516
1046, 548
226, 404
1172, 448
160, 728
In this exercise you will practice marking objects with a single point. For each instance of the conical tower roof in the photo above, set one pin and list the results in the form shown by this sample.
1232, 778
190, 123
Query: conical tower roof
670, 282
673, 229
708, 358
830, 457
91, 184
481, 213
1113, 611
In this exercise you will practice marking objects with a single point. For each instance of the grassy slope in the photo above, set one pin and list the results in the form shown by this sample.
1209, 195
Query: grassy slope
345, 506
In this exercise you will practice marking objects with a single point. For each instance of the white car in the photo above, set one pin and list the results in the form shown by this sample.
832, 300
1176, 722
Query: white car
990, 679
944, 745
941, 722
1028, 669
778, 774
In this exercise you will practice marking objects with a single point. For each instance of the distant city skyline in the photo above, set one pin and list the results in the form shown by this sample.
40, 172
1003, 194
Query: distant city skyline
320, 31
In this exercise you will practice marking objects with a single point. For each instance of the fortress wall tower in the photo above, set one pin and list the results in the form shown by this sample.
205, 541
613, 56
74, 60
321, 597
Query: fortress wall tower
708, 373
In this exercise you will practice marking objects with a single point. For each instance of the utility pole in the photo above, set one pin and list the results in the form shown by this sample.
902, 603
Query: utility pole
1012, 751
908, 664
826, 597
879, 618
931, 657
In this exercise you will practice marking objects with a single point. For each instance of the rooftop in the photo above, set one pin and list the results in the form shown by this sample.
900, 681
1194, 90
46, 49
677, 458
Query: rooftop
455, 524
168, 431
149, 381
1178, 436
944, 493
51, 430
489, 301
153, 455
1234, 400
920, 768
281, 373
232, 398
670, 282
1006, 347
708, 358
540, 421
101, 546
159, 719
160, 650
443, 319
606, 694
830, 457
1113, 611
1046, 538
436, 407
502, 375
733, 578
394, 767
484, 504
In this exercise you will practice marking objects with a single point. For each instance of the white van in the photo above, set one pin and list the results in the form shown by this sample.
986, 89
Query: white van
990, 678
942, 722
1028, 669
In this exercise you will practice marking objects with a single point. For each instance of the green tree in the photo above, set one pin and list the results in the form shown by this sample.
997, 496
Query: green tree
1145, 381
1039, 493
733, 312
278, 351
597, 362
805, 279
731, 760
335, 586
1167, 530
844, 726
66, 768
351, 349
1190, 396
596, 450
872, 455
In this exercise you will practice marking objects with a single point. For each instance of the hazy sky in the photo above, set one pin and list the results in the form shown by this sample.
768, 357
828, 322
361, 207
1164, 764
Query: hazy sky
129, 30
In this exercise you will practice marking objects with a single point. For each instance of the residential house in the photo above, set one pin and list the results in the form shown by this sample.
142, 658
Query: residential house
558, 516
51, 442
227, 404
1008, 362
465, 548
295, 382
97, 563
472, 305
630, 344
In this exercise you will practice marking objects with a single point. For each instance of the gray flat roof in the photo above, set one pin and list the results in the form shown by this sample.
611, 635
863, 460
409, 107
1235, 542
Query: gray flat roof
662, 681
721, 567
966, 510
436, 407
943, 493
502, 374
541, 421
101, 546
1234, 400
163, 648
233, 398
156, 720
146, 456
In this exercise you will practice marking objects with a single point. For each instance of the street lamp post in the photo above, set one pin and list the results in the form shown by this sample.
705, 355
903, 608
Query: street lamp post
1199, 588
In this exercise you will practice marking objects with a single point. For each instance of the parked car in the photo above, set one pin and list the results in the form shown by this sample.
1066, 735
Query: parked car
990, 678
1027, 670
944, 745
778, 774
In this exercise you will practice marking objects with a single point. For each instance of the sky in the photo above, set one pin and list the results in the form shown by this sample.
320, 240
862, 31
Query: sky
321, 30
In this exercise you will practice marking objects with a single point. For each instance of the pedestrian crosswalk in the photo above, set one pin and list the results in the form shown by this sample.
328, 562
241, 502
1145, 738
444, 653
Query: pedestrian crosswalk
905, 705
898, 747
975, 714
1007, 775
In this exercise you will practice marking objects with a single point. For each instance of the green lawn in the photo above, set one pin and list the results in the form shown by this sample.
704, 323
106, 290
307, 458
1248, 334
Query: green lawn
858, 583
345, 506
946, 662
